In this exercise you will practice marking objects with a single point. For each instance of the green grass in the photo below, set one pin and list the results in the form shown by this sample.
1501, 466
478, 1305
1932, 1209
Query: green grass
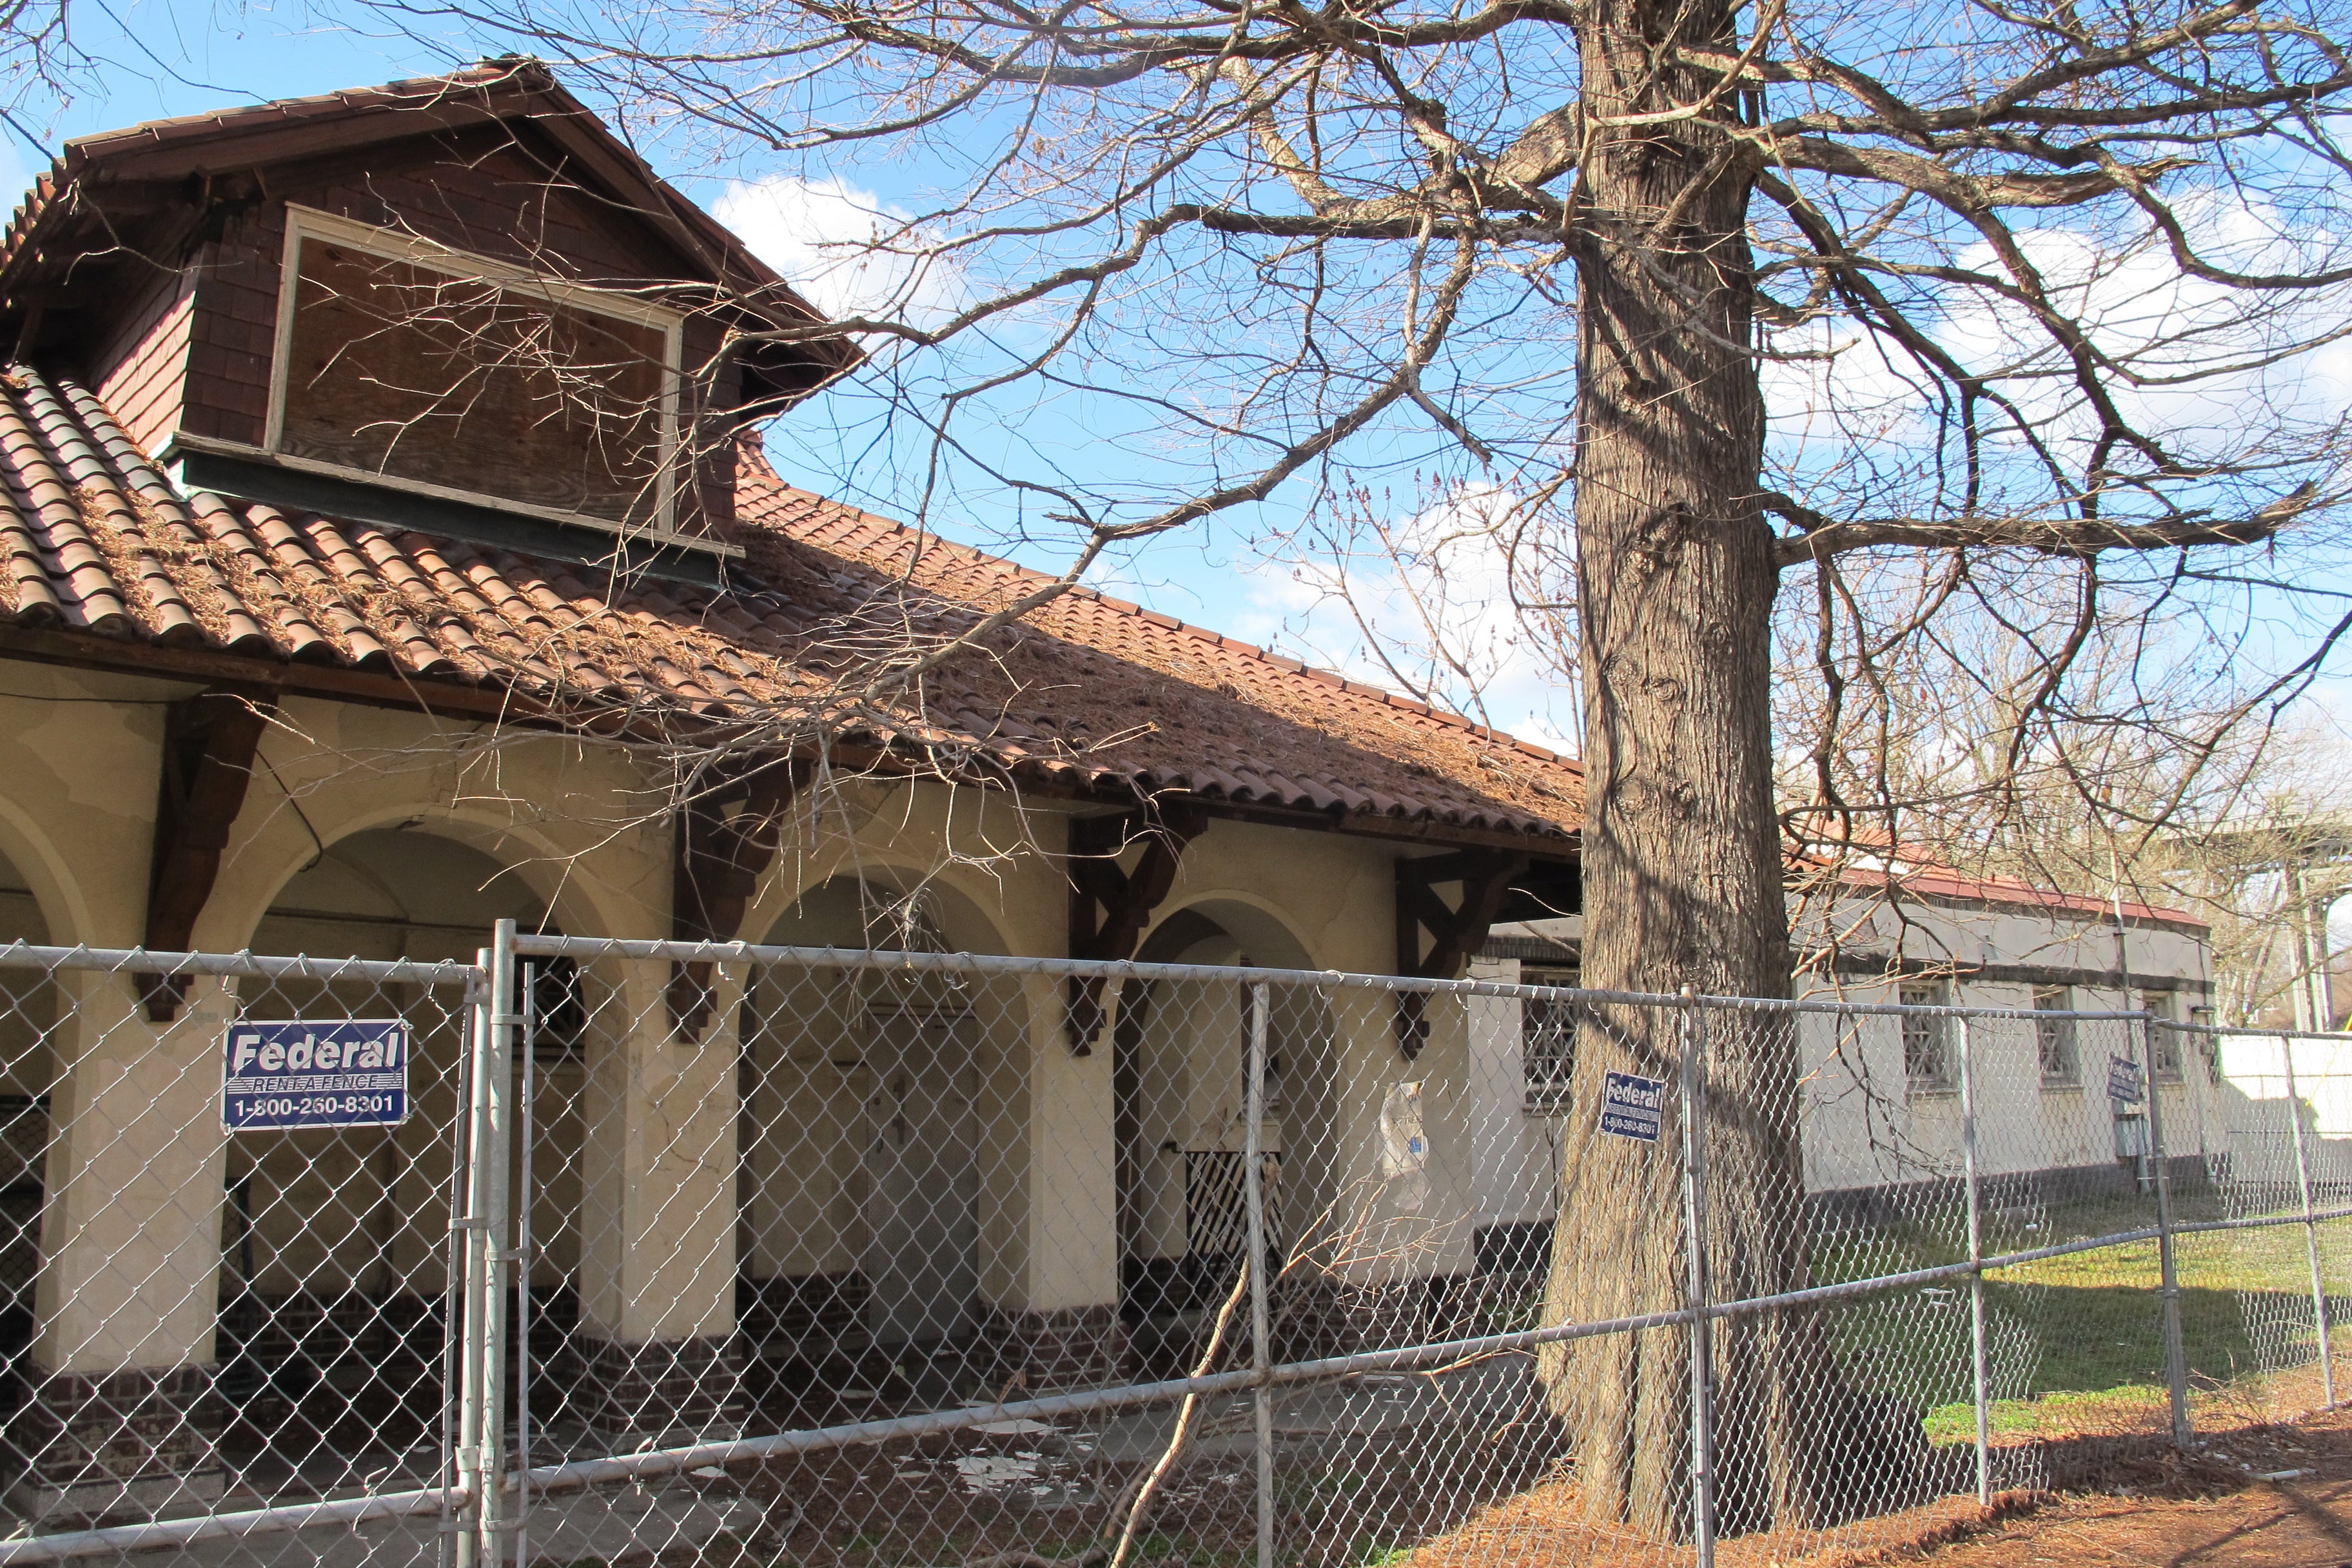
2086, 1329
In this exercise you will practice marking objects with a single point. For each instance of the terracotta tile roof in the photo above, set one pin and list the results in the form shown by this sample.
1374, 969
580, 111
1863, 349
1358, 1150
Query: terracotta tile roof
1092, 697
1948, 882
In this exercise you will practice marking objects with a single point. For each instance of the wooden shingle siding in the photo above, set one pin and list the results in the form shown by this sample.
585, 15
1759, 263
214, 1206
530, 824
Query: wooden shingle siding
142, 366
487, 191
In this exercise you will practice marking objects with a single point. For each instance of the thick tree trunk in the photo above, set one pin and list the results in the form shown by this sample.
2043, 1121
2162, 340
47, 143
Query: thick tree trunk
1682, 863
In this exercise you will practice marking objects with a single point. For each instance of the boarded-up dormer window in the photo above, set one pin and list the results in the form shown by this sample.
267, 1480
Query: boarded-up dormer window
413, 362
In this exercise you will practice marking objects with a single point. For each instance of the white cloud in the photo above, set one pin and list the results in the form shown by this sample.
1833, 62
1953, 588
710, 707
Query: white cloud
850, 253
1426, 601
2179, 334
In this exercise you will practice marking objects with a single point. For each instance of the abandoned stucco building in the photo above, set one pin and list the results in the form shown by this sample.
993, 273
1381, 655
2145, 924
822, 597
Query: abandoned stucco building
297, 657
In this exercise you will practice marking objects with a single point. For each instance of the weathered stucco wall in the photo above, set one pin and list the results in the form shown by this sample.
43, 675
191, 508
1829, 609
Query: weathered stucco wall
641, 1125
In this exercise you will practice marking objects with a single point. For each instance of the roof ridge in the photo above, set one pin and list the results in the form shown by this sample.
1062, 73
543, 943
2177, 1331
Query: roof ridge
1502, 738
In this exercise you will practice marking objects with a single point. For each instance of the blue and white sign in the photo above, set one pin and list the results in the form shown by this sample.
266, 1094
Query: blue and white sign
348, 1073
2123, 1083
1631, 1106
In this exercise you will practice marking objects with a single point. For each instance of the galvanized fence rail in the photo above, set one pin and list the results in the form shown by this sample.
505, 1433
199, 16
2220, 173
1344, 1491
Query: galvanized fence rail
853, 1257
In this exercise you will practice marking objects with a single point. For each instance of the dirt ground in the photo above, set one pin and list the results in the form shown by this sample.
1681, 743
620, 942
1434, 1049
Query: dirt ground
2261, 1491
2262, 1497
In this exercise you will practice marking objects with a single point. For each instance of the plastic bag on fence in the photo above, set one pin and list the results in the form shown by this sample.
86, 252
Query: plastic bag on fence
1404, 1147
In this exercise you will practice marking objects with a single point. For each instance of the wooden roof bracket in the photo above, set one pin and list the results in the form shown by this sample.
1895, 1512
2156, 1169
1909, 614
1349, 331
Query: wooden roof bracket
725, 841
1111, 906
210, 742
1454, 933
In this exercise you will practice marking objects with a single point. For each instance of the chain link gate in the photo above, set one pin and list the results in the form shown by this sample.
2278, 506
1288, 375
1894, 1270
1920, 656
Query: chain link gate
860, 1258
227, 1277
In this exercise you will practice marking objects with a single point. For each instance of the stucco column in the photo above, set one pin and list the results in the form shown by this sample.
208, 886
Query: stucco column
119, 1419
1049, 1271
656, 1339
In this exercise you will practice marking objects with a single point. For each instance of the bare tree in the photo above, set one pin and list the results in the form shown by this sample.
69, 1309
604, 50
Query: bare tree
1872, 321
41, 64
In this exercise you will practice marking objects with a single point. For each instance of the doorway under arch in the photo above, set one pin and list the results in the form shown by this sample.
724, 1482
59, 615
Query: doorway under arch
862, 1177
1180, 1078
334, 1251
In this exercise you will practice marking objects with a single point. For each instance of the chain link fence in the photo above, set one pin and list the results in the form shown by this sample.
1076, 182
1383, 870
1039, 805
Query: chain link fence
226, 1184
846, 1259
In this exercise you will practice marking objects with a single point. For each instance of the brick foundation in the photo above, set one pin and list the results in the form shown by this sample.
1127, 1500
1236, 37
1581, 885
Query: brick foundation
1043, 1351
1318, 1316
116, 1446
661, 1391
808, 1315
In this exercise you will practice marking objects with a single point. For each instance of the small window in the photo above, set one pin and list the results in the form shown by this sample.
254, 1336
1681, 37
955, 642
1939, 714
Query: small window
400, 360
1547, 1042
2053, 1037
1926, 1051
2163, 1042
559, 1013
2208, 1047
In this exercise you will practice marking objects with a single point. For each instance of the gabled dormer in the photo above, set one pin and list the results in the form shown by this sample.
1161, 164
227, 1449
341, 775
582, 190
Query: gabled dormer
459, 305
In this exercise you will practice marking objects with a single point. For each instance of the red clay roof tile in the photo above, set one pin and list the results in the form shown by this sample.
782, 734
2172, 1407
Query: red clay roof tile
1089, 687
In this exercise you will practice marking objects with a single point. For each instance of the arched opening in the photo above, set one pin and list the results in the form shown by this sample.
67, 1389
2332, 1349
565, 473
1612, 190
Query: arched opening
29, 1016
334, 1253
1180, 1081
865, 1178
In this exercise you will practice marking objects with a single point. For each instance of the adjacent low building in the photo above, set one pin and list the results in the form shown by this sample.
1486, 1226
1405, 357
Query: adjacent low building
1881, 1096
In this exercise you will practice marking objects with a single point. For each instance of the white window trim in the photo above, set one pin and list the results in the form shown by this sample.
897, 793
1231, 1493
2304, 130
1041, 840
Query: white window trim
1937, 996
2062, 1001
309, 223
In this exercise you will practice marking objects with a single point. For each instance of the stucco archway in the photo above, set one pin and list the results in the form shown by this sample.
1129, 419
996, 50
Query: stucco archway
863, 1094
333, 1241
29, 1011
1179, 1076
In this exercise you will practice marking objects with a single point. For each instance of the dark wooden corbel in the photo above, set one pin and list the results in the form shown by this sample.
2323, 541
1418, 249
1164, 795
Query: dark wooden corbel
209, 743
725, 839
1110, 906
1452, 932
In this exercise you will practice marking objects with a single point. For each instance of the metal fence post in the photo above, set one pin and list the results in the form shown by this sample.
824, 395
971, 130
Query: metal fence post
1976, 1266
455, 1542
2319, 1323
2176, 1358
527, 1041
482, 1407
471, 1363
498, 1209
1261, 1330
1702, 1411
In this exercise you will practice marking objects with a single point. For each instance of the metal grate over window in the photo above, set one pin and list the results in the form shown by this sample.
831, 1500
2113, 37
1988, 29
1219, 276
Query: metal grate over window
1927, 1041
2053, 1037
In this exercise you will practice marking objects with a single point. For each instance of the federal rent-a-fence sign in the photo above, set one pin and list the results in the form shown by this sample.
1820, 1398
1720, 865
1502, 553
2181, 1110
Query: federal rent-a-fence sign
296, 1073
1633, 1106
